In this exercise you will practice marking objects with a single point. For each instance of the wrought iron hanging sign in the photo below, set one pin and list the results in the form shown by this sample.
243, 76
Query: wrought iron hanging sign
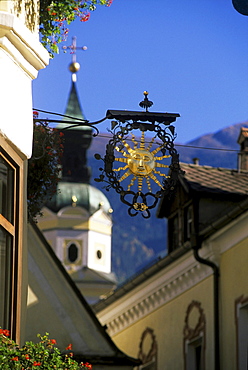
141, 169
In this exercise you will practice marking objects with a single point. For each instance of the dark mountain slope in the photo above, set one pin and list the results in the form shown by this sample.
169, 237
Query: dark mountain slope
223, 139
137, 241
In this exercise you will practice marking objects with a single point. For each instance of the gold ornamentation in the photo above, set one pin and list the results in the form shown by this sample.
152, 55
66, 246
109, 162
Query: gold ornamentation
141, 163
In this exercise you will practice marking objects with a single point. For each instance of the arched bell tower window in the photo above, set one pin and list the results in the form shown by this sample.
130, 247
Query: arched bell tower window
72, 252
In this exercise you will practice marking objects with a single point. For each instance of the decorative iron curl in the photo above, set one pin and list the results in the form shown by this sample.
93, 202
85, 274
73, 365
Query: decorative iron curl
140, 202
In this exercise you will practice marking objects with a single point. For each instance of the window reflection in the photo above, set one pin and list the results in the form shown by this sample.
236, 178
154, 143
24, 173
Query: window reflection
6, 190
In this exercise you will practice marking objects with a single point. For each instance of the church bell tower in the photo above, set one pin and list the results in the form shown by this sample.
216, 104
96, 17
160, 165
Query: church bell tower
77, 221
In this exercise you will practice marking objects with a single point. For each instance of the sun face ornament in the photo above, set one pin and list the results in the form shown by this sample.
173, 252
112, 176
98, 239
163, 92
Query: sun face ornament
141, 164
140, 169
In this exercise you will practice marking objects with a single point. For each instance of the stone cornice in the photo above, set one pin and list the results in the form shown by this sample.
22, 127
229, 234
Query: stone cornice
22, 45
171, 280
153, 293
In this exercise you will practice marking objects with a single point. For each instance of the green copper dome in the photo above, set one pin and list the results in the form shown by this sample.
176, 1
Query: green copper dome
76, 194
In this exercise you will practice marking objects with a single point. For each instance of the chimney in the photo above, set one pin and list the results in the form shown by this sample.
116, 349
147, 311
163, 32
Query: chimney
196, 161
243, 154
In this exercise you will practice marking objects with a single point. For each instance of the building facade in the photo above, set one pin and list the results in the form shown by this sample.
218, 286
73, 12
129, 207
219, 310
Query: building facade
21, 57
189, 310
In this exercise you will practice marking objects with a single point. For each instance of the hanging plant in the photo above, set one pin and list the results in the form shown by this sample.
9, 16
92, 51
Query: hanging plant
43, 167
55, 16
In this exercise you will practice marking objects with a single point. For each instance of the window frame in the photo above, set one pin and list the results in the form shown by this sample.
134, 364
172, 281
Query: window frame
15, 228
194, 336
241, 313
66, 245
188, 222
174, 233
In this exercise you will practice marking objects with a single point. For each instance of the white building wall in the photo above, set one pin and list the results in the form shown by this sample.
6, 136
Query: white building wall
99, 253
21, 57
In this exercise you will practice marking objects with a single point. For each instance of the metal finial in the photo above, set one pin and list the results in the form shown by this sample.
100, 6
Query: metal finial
74, 65
146, 103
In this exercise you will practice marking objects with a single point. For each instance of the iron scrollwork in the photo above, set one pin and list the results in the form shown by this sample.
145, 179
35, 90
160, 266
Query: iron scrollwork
140, 162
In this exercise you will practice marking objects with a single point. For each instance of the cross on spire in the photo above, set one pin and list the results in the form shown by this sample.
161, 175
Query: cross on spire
73, 47
74, 66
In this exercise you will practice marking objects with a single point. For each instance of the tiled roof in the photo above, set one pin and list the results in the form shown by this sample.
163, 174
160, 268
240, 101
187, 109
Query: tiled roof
215, 180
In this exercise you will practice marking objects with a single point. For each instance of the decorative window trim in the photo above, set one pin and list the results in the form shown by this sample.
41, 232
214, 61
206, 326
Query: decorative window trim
79, 245
15, 228
151, 356
193, 334
240, 303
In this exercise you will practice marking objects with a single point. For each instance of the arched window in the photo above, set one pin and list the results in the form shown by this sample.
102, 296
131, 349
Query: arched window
72, 252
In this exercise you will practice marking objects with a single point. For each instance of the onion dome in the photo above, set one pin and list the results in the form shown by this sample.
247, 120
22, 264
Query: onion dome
76, 194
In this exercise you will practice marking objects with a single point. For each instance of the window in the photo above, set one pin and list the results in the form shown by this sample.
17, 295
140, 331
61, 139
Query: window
6, 256
242, 332
9, 205
174, 233
72, 252
194, 337
188, 222
194, 355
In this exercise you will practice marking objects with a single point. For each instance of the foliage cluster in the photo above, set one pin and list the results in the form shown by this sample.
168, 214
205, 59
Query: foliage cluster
42, 355
44, 166
55, 16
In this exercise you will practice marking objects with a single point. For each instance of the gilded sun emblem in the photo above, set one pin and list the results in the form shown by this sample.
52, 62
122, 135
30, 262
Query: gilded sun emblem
141, 163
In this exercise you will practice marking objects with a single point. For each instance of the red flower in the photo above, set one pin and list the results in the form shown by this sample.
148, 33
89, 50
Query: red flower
4, 332
87, 364
109, 2
27, 357
69, 347
53, 341
85, 17
37, 363
15, 359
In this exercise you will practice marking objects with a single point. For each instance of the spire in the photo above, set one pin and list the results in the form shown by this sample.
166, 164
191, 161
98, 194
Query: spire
73, 108
78, 139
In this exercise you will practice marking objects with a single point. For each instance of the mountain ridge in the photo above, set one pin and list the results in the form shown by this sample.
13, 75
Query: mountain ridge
136, 241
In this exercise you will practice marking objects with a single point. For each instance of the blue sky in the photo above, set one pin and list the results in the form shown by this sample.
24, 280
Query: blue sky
191, 56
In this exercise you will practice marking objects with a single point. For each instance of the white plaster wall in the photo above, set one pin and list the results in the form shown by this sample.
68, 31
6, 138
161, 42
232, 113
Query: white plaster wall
100, 242
21, 57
